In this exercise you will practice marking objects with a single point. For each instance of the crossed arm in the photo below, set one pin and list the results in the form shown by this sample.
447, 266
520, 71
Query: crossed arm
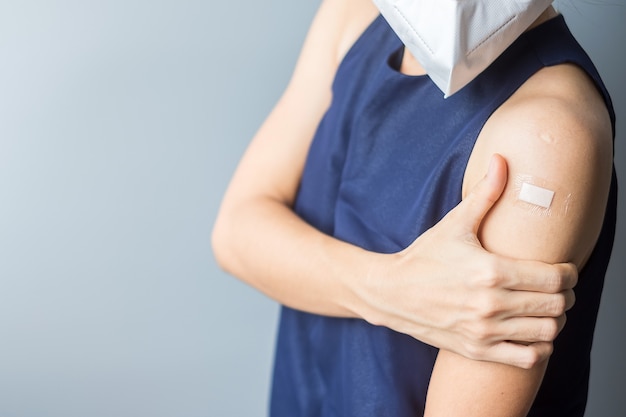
259, 239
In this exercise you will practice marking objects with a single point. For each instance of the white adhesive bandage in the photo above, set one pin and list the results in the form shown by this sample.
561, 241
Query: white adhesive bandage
538, 196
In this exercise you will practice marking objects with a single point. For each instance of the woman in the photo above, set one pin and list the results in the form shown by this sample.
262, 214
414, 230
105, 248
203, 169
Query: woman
337, 211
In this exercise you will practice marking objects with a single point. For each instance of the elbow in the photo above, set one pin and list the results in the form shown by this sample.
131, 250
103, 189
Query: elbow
221, 244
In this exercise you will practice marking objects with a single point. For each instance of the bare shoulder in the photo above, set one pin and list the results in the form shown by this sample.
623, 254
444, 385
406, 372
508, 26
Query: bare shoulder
558, 112
560, 106
555, 134
359, 15
281, 144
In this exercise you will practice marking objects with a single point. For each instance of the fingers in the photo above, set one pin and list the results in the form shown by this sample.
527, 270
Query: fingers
532, 329
537, 276
536, 304
484, 195
521, 356
529, 342
512, 304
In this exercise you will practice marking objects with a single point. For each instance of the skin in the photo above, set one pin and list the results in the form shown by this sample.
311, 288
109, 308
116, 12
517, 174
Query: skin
562, 105
445, 288
554, 128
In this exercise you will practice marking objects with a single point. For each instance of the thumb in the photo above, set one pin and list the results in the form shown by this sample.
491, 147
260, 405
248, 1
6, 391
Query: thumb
485, 194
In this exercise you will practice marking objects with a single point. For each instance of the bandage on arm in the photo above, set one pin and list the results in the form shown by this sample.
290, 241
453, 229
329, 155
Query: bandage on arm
559, 157
535, 195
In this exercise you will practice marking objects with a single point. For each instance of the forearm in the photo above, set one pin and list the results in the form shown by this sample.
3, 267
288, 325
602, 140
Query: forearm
265, 244
258, 238
460, 387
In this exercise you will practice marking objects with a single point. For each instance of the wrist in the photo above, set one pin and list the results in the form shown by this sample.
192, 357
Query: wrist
359, 282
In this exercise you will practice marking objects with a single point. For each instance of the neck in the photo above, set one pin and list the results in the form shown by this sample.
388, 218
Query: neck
548, 14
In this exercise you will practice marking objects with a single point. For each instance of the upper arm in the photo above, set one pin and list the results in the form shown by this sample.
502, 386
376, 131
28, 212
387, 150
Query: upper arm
558, 139
272, 164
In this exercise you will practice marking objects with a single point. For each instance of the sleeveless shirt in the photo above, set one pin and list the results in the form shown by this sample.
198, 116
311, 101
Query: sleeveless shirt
386, 164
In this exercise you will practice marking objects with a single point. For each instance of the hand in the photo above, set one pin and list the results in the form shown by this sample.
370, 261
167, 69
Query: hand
446, 290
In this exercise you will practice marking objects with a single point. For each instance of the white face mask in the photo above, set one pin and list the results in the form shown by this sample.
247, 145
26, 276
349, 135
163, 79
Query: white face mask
455, 40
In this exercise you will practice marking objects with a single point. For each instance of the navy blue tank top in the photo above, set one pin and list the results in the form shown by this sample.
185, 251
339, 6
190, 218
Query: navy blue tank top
386, 164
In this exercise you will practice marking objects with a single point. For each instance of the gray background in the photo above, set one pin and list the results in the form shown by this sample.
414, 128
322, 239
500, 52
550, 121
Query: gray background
120, 124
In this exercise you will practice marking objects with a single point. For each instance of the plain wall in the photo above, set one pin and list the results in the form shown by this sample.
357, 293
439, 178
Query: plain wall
121, 122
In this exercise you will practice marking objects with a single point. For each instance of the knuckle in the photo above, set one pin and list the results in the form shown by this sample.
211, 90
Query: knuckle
489, 307
532, 359
570, 299
536, 354
570, 276
491, 277
561, 322
557, 305
486, 273
548, 330
481, 331
554, 281
473, 351
574, 278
